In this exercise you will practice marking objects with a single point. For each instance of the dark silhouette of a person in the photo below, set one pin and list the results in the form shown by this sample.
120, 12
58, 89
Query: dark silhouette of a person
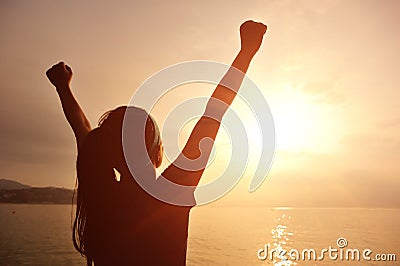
117, 222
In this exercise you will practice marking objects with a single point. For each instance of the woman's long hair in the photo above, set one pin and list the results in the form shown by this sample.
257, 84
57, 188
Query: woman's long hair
101, 153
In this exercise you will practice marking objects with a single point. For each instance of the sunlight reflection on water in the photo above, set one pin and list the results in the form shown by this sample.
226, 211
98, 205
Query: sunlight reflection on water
281, 238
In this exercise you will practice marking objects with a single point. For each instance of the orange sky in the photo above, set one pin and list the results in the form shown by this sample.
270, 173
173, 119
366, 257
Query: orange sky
329, 70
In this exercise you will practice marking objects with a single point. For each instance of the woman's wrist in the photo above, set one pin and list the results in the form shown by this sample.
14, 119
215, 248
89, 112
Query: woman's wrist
248, 54
63, 89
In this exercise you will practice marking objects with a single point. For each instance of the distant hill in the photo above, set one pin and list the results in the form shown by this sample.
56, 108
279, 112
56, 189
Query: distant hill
11, 184
15, 192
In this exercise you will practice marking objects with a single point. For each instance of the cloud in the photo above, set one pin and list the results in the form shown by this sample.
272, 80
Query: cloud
392, 123
366, 139
323, 92
301, 154
317, 87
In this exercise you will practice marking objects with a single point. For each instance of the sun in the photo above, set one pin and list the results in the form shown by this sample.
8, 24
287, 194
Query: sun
301, 123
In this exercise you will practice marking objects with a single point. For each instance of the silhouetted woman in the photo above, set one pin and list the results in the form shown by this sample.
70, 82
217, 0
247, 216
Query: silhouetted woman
117, 222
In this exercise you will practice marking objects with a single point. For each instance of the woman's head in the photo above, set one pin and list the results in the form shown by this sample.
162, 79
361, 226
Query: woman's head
112, 123
101, 153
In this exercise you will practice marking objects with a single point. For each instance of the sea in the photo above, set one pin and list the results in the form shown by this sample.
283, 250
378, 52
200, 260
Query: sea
41, 235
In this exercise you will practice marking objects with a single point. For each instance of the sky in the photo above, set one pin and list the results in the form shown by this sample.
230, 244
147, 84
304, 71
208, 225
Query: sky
328, 69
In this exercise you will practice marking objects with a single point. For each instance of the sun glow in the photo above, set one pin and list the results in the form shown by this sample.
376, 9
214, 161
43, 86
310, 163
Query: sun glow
301, 123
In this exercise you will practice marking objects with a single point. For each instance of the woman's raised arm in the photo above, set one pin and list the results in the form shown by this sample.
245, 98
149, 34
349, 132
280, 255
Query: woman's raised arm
60, 76
188, 168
